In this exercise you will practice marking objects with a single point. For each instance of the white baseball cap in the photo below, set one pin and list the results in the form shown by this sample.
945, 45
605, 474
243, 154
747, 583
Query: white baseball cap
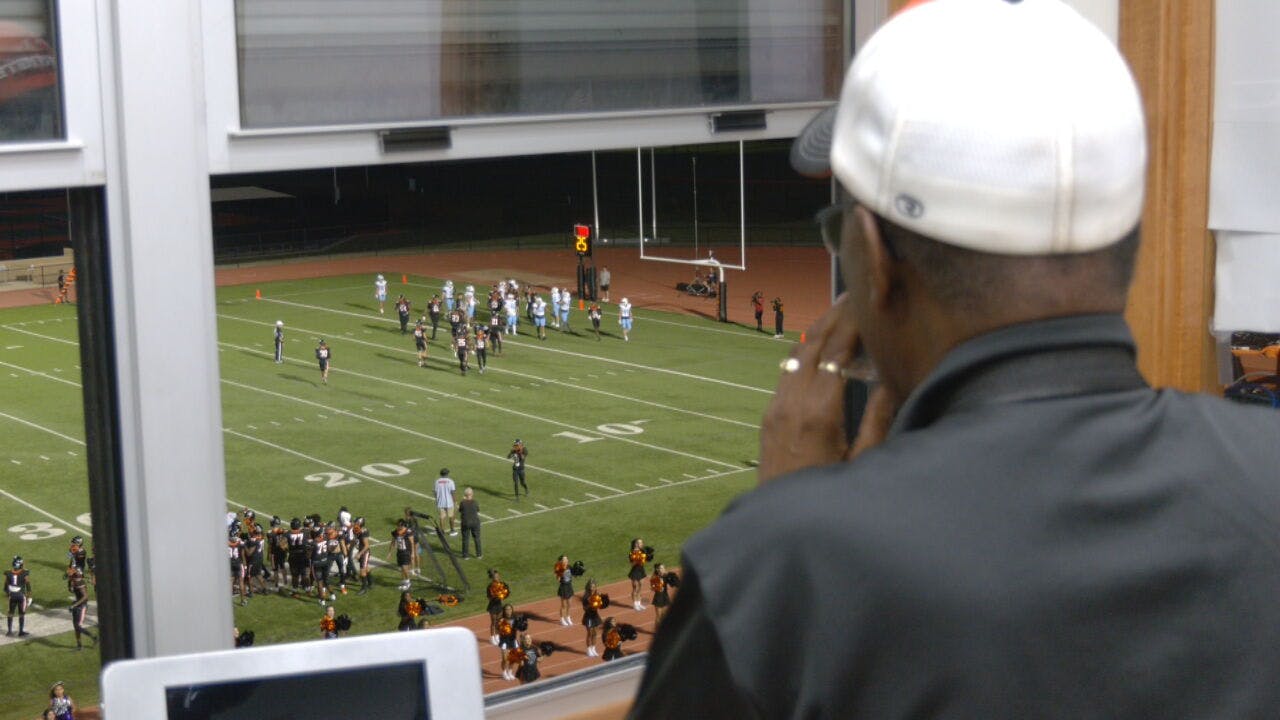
1001, 126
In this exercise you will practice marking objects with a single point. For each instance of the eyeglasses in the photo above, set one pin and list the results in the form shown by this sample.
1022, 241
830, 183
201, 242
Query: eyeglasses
830, 221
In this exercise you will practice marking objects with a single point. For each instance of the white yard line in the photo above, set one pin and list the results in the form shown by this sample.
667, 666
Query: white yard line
36, 334
326, 463
595, 499
488, 406
492, 368
415, 433
46, 513
28, 423
47, 376
518, 343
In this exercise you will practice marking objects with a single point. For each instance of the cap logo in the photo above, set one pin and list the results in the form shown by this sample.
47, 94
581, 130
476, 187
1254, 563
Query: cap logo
908, 205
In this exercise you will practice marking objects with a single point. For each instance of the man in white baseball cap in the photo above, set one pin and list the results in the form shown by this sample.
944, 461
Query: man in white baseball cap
1022, 527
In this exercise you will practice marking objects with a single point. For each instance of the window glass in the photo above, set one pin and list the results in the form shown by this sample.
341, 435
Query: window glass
318, 62
30, 102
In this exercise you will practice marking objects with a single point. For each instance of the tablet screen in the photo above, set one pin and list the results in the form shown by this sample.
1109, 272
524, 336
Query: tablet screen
386, 692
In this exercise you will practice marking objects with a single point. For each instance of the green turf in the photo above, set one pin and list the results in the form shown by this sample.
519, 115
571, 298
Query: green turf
682, 400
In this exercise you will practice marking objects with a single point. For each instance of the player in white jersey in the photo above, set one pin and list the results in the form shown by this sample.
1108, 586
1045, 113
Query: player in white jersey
540, 316
380, 293
566, 301
624, 318
555, 307
512, 309
447, 291
469, 302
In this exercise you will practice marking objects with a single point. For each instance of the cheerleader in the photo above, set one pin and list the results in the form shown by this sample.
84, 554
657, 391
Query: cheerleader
497, 593
60, 703
638, 558
329, 624
564, 588
592, 602
409, 611
658, 584
612, 641
507, 641
527, 654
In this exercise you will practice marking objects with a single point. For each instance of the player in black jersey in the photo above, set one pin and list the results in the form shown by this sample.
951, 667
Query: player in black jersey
256, 560
337, 553
298, 555
420, 342
433, 311
402, 308
76, 555
460, 347
403, 545
323, 355
364, 551
456, 322
495, 334
278, 540
482, 339
17, 587
77, 586
320, 563
595, 315
517, 455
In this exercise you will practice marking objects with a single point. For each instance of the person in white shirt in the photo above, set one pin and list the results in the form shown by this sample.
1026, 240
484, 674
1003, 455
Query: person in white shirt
624, 318
566, 300
444, 499
469, 306
540, 316
380, 294
512, 309
447, 291
555, 307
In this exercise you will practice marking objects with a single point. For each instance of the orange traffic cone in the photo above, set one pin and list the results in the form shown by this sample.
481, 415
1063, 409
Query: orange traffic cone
404, 279
581, 305
802, 337
257, 294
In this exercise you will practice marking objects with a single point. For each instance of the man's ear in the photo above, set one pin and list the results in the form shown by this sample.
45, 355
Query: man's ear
879, 266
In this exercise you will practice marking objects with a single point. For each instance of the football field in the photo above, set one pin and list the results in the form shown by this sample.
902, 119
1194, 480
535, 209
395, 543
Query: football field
649, 438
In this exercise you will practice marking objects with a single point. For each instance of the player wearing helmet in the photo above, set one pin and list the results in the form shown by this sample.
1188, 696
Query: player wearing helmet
80, 589
17, 587
279, 341
517, 455
380, 294
624, 318
236, 554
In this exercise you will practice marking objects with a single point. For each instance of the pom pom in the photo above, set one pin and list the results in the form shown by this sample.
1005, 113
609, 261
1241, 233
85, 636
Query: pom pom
604, 600
648, 553
578, 569
245, 639
627, 632
546, 647
344, 622
432, 609
672, 579
521, 623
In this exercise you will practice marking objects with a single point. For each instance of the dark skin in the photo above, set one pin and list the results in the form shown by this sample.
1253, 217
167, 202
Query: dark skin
906, 331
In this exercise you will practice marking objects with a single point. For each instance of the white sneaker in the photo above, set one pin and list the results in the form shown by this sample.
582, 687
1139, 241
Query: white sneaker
592, 651
455, 532
493, 639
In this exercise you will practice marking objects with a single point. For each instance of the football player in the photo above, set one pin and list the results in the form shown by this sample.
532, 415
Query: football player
420, 342
405, 549
460, 347
539, 312
236, 554
77, 586
482, 337
624, 318
323, 354
555, 307
380, 294
433, 312
595, 315
17, 587
279, 552
517, 457
364, 550
297, 539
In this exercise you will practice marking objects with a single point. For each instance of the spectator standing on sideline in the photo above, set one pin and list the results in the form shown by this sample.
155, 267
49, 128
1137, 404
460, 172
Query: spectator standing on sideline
279, 341
380, 294
777, 317
469, 515
444, 499
605, 277
1021, 519
757, 307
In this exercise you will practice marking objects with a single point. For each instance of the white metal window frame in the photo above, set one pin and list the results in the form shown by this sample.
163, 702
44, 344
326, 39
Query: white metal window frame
234, 149
78, 159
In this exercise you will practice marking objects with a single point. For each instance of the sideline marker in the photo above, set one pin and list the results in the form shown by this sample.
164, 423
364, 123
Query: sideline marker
257, 294
801, 337
404, 279
581, 305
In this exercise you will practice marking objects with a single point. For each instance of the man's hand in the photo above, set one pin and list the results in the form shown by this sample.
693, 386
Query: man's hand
804, 424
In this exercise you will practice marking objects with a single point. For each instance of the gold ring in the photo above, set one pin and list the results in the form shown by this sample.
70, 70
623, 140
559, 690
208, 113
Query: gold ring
789, 365
831, 367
